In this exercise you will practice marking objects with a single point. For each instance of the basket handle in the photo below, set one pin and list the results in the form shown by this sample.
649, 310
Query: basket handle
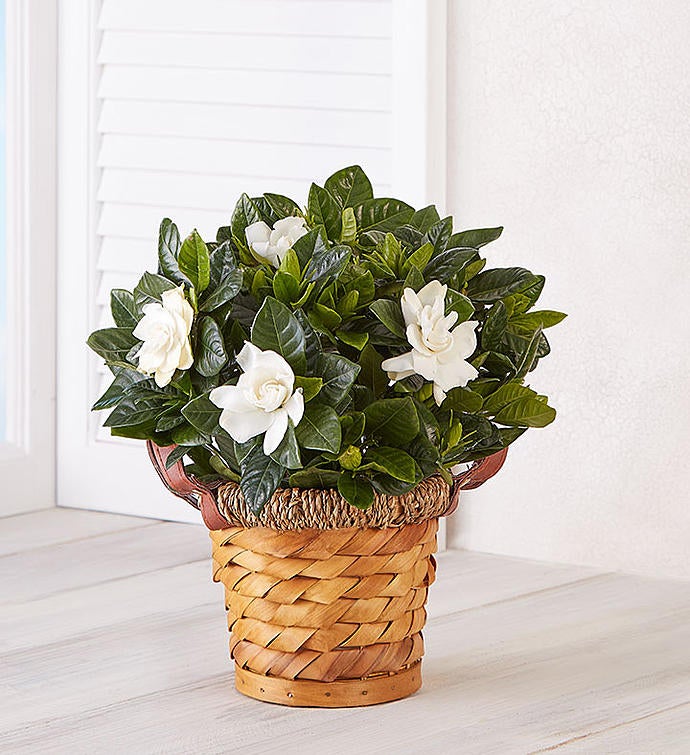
177, 481
203, 496
476, 475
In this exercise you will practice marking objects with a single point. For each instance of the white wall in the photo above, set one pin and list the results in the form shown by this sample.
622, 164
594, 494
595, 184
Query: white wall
568, 123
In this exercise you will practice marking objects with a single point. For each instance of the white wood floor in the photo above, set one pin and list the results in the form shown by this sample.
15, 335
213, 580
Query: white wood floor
113, 640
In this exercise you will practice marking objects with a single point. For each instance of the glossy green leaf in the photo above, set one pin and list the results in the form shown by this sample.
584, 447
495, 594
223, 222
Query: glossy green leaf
324, 210
494, 326
168, 250
446, 264
113, 344
456, 302
245, 213
282, 206
526, 412
327, 262
476, 238
545, 318
277, 329
150, 289
287, 453
211, 356
391, 461
202, 414
425, 218
195, 262
382, 215
124, 309
261, 475
313, 477
394, 420
338, 374
356, 490
349, 186
492, 285
319, 428
310, 386
390, 314
439, 234
505, 395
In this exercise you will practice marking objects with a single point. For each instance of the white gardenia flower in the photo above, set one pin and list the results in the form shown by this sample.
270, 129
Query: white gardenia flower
164, 329
272, 244
263, 399
438, 353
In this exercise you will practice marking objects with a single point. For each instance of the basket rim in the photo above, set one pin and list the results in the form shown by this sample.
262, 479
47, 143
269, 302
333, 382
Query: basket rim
204, 496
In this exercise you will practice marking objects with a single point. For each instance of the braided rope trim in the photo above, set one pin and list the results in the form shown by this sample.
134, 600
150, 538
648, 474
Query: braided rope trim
314, 508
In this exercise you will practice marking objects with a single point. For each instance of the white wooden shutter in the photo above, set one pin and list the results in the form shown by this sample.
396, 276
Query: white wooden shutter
171, 108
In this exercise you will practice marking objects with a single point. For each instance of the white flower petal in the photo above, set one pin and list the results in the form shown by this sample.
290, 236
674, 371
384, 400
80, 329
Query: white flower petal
432, 292
256, 233
411, 307
399, 367
232, 398
439, 394
276, 430
455, 374
241, 426
247, 356
294, 406
464, 339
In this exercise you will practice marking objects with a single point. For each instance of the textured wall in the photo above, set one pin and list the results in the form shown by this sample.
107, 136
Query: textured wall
568, 124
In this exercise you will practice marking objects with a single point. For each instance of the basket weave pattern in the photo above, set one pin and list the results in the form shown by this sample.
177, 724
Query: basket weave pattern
326, 605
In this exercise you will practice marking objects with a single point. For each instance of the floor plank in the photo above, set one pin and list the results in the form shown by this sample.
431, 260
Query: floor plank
99, 560
667, 731
521, 657
38, 529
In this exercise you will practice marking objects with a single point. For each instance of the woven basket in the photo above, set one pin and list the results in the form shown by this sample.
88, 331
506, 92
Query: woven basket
325, 603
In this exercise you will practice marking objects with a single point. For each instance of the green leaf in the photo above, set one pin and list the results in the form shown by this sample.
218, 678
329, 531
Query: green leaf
313, 243
112, 344
439, 234
124, 309
290, 265
287, 453
245, 213
545, 318
282, 206
351, 338
356, 490
349, 226
371, 373
227, 289
150, 289
492, 285
349, 186
420, 258
448, 263
423, 219
530, 354
195, 262
463, 400
187, 435
329, 317
353, 428
312, 343
391, 461
526, 412
211, 355
177, 454
338, 374
123, 380
313, 477
261, 475
202, 414
285, 287
456, 302
505, 395
310, 386
319, 429
476, 238
494, 326
133, 411
277, 329
168, 421
395, 420
324, 210
390, 314
382, 215
327, 262
168, 250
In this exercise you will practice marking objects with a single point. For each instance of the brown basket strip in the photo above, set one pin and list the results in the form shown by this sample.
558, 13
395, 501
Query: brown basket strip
313, 508
326, 604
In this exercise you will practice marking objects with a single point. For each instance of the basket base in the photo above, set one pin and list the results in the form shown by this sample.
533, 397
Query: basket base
344, 693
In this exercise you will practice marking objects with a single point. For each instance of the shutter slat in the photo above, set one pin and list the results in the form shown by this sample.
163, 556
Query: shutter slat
235, 158
142, 221
347, 18
271, 88
250, 52
235, 122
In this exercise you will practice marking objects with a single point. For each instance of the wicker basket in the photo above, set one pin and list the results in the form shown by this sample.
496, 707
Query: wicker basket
325, 603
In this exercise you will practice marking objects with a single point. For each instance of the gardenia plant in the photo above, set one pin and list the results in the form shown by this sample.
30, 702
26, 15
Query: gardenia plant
354, 344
